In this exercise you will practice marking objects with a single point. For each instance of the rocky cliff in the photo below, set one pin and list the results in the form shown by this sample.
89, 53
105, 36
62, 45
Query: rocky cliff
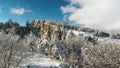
43, 29
48, 29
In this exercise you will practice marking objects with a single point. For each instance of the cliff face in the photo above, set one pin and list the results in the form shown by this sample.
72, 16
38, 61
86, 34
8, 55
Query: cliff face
49, 29
43, 29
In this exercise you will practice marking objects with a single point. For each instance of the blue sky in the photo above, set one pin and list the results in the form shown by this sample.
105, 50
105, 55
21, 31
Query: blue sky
22, 10
101, 14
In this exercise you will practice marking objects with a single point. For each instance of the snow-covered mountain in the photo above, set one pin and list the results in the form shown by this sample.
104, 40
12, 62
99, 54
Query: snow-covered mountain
57, 40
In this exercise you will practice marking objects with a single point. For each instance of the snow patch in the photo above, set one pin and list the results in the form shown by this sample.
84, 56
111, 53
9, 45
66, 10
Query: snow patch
39, 61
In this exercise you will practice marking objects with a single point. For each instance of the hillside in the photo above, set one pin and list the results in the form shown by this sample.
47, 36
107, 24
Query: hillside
64, 45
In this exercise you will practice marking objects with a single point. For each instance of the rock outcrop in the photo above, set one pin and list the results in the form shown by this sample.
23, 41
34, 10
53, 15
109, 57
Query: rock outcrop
41, 28
50, 29
115, 36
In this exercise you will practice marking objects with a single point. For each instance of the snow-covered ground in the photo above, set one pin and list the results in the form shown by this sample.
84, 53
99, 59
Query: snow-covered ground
36, 60
109, 41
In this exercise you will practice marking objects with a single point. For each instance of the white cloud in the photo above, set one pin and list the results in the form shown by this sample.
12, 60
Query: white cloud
68, 9
19, 11
100, 14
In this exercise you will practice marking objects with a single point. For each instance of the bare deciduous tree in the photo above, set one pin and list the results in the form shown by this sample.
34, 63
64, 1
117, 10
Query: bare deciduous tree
12, 50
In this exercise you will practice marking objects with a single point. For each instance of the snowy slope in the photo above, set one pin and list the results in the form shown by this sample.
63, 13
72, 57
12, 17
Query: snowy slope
37, 60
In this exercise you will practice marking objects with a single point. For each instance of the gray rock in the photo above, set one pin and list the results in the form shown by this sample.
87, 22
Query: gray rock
104, 34
115, 36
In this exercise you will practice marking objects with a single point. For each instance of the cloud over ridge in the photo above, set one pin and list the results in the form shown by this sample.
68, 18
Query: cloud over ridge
19, 11
100, 14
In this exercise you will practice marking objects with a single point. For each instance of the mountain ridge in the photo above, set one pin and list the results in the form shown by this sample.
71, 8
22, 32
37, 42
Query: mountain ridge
60, 41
